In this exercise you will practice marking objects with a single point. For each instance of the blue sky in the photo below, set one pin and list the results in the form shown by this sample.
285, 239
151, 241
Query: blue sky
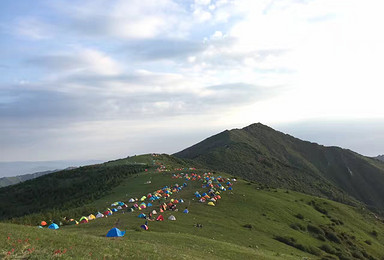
105, 79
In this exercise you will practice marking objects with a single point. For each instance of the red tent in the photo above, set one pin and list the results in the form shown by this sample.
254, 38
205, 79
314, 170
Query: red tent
160, 218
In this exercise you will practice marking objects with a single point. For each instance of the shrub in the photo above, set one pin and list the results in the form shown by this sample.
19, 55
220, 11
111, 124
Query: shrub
299, 216
297, 226
248, 226
315, 230
332, 237
368, 242
328, 249
374, 233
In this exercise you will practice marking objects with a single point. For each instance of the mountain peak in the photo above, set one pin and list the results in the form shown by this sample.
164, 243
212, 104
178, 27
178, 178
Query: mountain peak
259, 153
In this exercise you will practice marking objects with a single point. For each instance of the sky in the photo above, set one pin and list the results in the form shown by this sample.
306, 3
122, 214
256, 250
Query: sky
105, 79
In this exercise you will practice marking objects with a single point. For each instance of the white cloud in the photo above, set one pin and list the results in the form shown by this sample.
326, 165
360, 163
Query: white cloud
32, 28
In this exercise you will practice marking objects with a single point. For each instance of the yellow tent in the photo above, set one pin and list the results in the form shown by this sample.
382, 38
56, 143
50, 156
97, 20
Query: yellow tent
91, 217
211, 203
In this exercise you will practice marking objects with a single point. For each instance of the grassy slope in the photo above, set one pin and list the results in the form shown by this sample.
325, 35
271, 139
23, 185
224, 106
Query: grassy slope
269, 213
260, 153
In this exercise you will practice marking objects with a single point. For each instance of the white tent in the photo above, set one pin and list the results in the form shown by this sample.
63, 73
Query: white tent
119, 207
172, 217
99, 215
154, 212
131, 200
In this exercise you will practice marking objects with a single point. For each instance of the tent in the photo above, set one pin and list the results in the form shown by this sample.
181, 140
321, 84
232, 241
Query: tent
154, 212
114, 204
186, 211
143, 198
120, 203
119, 207
53, 226
114, 210
149, 205
160, 218
131, 200
99, 215
107, 213
142, 215
43, 223
91, 217
130, 210
83, 220
211, 203
145, 227
172, 217
73, 222
115, 232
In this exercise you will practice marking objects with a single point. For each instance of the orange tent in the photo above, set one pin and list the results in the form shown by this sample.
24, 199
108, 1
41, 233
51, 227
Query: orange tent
43, 223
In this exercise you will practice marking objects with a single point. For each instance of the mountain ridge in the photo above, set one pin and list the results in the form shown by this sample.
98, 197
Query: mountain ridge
258, 152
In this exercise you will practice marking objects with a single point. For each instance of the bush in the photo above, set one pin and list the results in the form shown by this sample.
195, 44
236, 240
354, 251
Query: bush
332, 237
299, 216
297, 226
374, 233
328, 249
368, 242
248, 226
315, 230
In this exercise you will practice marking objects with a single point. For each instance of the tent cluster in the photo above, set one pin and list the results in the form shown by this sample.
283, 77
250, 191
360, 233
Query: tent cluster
214, 186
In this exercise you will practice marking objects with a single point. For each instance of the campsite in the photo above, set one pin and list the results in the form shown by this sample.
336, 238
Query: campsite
249, 221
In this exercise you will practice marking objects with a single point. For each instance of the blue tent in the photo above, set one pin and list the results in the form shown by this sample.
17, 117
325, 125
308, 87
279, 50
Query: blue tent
114, 210
115, 232
186, 211
53, 226
149, 205
230, 188
142, 215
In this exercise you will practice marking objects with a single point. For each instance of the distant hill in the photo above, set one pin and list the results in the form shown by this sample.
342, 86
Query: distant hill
65, 189
260, 153
6, 181
10, 169
380, 157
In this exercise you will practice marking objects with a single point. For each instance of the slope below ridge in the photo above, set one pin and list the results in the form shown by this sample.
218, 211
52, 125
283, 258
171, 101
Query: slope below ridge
258, 152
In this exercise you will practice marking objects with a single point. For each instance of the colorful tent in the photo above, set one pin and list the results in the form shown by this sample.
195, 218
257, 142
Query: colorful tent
142, 215
83, 218
160, 218
91, 217
73, 222
53, 226
115, 232
145, 227
114, 210
114, 204
43, 223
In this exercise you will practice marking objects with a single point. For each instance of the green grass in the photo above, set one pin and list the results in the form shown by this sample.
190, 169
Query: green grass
244, 224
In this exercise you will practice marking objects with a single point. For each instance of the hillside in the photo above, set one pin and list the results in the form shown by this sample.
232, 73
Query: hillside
259, 153
250, 221
380, 157
67, 189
